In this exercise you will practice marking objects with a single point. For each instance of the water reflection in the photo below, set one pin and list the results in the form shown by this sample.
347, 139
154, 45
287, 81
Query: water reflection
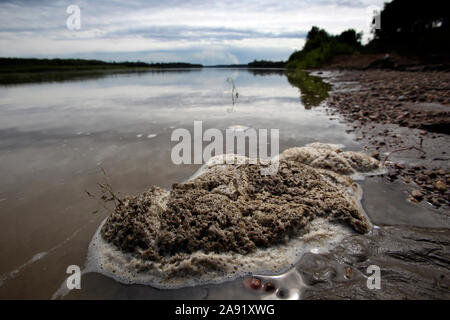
13, 79
313, 90
266, 72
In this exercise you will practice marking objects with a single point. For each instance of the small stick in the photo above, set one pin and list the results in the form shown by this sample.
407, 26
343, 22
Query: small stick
234, 95
106, 188
89, 194
403, 149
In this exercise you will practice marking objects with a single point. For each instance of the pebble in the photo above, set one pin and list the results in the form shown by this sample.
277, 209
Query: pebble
253, 283
348, 273
282, 293
416, 194
269, 287
440, 185
429, 173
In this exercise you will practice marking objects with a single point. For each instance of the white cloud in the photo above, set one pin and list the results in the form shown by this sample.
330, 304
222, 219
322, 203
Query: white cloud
214, 28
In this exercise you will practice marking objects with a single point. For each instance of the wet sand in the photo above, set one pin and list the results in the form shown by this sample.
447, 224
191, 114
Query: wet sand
405, 117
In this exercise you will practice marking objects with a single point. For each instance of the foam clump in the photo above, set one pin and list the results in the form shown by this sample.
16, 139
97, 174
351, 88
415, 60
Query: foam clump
332, 157
230, 220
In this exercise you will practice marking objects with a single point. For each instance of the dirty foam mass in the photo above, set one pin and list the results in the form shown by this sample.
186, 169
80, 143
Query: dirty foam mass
229, 220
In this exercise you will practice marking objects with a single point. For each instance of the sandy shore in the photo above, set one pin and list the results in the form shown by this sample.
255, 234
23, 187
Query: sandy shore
403, 118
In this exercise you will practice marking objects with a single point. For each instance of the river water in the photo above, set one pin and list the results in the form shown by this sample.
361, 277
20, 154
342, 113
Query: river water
55, 139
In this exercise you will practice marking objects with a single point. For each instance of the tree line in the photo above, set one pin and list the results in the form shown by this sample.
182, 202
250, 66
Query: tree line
43, 65
407, 27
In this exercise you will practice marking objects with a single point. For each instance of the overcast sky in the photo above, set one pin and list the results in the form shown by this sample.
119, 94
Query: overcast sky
207, 32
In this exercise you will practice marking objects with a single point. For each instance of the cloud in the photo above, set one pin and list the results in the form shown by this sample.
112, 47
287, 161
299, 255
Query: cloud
215, 31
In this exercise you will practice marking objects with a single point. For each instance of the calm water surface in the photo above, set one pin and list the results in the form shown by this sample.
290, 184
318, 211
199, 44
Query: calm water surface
56, 137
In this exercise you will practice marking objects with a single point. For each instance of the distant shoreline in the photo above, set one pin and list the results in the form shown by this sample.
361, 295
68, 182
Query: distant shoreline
23, 70
14, 71
14, 65
18, 78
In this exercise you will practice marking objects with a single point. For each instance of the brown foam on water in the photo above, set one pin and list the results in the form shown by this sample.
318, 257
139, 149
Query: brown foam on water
229, 220
202, 268
332, 157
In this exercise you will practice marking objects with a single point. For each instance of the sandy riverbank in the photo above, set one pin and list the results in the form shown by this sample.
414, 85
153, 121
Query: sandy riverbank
404, 117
